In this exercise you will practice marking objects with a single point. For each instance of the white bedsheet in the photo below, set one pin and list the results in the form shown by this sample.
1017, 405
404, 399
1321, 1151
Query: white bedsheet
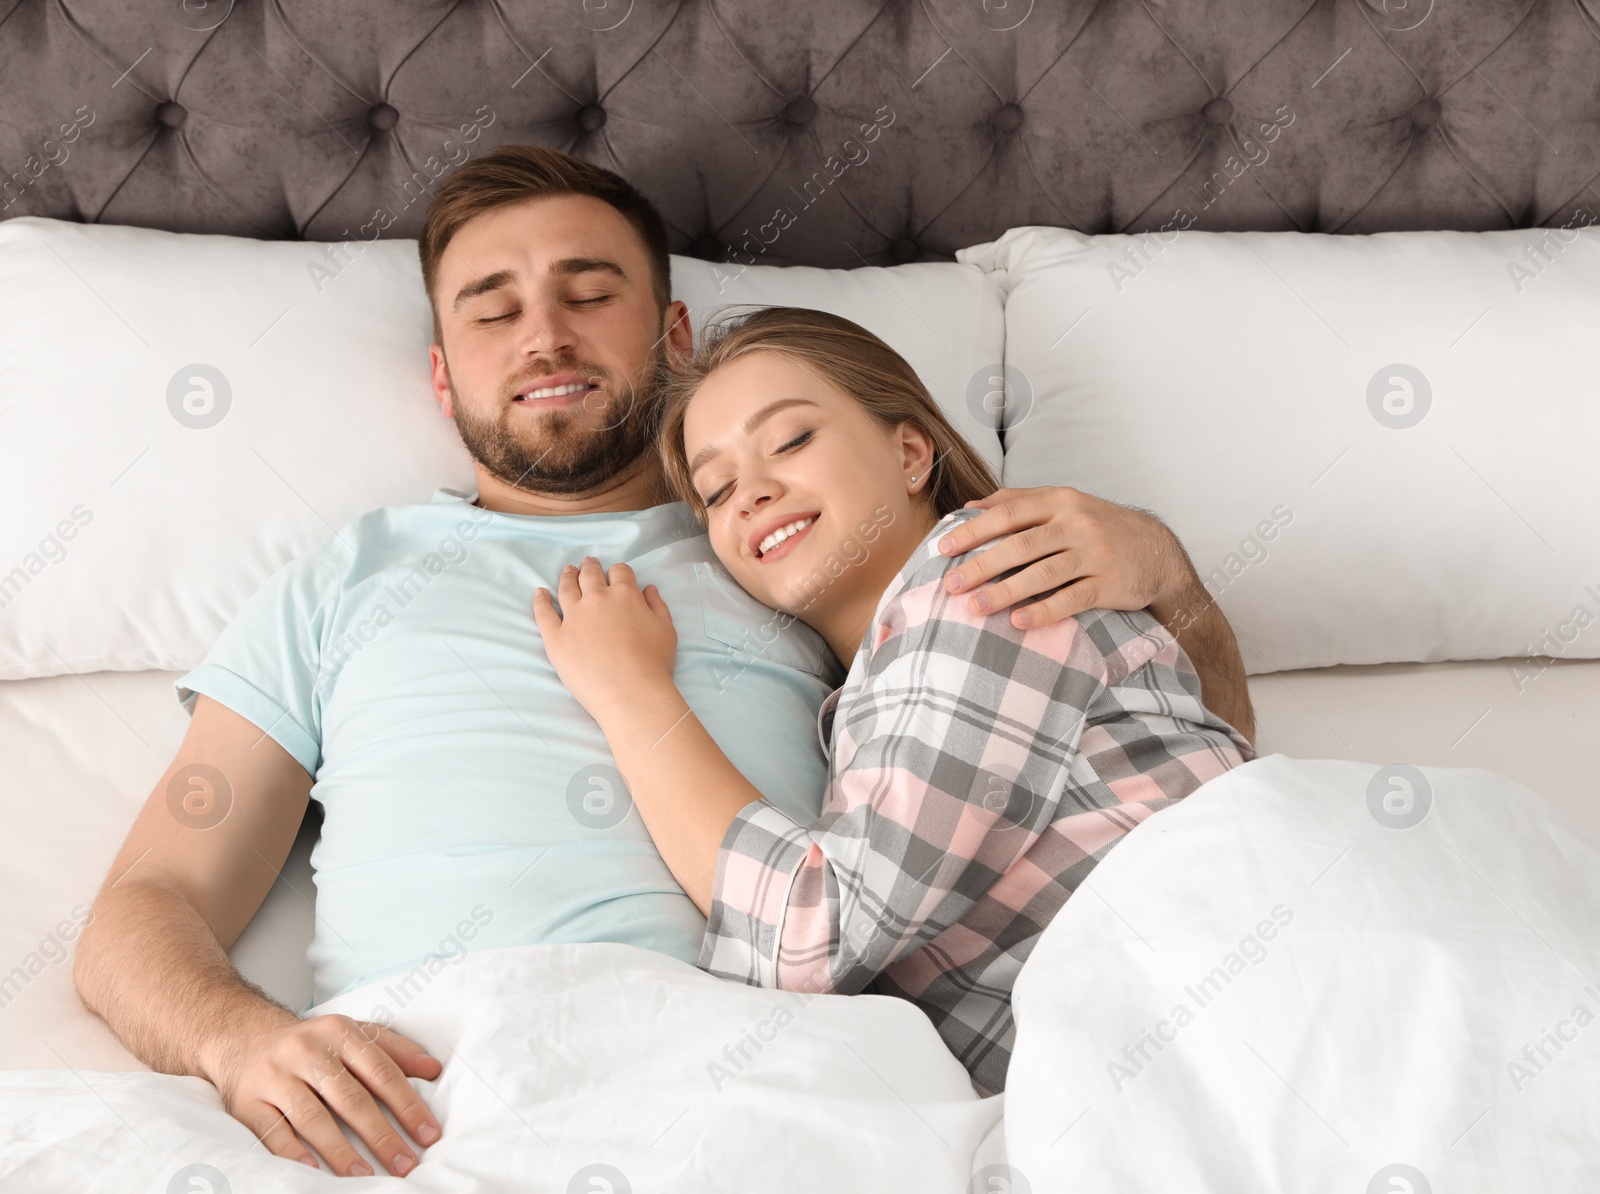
1386, 997
1384, 1024
559, 1059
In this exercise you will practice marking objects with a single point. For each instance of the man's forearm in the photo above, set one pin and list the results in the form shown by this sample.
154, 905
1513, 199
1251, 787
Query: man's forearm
150, 967
1197, 623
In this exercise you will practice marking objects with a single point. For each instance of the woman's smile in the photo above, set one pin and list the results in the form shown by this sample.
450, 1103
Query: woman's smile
777, 539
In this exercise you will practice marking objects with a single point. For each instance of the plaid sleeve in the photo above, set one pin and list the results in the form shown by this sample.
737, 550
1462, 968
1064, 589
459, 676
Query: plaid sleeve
955, 749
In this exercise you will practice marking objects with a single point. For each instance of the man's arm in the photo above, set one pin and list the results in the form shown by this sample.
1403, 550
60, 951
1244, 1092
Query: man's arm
1194, 619
1107, 557
153, 963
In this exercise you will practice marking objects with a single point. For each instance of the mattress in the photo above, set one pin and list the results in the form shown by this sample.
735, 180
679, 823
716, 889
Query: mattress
81, 753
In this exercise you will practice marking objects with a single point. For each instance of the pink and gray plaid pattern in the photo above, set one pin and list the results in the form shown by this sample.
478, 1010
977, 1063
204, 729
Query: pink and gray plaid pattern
978, 773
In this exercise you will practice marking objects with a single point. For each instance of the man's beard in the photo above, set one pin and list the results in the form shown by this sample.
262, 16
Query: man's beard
572, 449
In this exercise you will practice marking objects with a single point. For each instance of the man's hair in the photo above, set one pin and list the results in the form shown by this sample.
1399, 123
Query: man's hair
516, 173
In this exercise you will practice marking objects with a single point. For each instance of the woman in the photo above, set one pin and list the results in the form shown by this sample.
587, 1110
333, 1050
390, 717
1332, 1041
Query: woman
977, 771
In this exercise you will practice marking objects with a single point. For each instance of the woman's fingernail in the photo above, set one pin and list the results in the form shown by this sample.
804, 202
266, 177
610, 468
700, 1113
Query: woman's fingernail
947, 545
361, 1169
956, 582
981, 603
308, 1159
427, 1133
403, 1163
1023, 619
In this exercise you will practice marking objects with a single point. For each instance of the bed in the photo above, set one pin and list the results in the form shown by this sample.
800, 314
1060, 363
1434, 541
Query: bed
1203, 260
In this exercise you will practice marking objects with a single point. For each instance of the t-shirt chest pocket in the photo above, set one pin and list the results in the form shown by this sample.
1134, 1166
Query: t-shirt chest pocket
750, 633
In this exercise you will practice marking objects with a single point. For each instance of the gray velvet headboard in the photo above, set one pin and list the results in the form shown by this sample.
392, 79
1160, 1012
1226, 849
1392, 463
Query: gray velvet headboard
822, 132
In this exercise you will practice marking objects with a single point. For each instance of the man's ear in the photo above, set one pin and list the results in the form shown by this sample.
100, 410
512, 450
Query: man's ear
440, 369
679, 336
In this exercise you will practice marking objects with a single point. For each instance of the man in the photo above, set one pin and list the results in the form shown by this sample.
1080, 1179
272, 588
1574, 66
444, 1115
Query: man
467, 799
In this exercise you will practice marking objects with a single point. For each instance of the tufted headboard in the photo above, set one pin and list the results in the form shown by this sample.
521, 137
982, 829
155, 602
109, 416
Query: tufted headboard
823, 132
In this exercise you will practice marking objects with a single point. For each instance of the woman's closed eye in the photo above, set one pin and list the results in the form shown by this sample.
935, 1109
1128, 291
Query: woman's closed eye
789, 445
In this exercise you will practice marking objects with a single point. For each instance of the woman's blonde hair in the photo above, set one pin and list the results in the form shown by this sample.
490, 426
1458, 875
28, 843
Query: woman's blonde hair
848, 357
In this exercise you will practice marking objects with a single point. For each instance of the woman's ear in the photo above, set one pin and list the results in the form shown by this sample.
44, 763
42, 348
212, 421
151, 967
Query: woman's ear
917, 455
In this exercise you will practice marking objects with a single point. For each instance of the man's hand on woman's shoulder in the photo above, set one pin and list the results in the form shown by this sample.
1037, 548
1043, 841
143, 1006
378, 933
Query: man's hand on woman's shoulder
1107, 556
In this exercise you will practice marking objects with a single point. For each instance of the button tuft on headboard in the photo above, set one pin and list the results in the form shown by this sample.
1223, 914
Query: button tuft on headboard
591, 118
707, 248
382, 117
1008, 118
1426, 112
1217, 111
800, 111
172, 114
904, 250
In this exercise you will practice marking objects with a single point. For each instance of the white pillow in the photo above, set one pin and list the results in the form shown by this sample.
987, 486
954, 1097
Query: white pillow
1376, 448
136, 526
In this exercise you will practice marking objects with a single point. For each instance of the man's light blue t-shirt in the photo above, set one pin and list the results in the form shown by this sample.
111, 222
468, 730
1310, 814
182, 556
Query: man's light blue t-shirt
468, 799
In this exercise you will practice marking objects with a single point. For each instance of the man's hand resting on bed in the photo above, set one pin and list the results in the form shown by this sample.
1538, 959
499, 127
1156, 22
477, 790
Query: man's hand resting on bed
153, 963
285, 1075
1107, 557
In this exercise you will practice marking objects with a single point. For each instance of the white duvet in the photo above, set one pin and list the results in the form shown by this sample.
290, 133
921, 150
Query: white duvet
1306, 976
